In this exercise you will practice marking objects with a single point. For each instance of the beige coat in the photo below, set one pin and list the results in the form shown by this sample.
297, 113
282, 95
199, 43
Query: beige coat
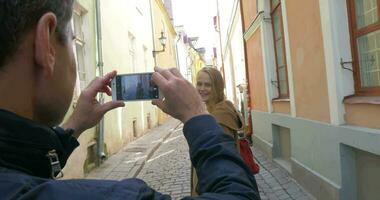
231, 121
228, 117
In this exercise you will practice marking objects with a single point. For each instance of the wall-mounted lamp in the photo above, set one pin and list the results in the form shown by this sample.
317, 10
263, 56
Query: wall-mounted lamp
163, 43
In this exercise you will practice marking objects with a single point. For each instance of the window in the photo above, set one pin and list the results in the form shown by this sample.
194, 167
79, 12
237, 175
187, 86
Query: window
279, 46
365, 39
132, 52
79, 44
145, 58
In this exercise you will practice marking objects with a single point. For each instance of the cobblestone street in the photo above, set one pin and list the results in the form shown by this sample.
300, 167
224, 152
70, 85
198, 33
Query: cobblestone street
166, 166
168, 171
275, 182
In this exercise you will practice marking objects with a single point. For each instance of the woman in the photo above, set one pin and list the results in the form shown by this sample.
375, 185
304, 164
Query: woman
210, 86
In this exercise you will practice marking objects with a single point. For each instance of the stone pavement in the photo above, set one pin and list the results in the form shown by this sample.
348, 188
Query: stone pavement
130, 160
162, 160
168, 170
275, 183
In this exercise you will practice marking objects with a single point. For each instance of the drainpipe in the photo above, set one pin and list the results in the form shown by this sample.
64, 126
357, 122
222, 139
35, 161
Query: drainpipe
153, 34
249, 129
100, 64
176, 50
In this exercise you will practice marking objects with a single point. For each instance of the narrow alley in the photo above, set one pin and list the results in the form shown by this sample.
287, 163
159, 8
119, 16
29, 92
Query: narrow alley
304, 74
300, 80
161, 159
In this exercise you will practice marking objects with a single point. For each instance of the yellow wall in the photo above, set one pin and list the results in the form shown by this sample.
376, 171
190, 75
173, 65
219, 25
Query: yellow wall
308, 60
197, 64
256, 73
166, 59
162, 22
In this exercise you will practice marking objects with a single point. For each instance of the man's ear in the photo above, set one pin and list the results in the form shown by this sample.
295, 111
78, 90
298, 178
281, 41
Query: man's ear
44, 48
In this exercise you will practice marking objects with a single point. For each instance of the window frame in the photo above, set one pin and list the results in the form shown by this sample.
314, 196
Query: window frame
145, 51
355, 33
132, 52
273, 10
80, 12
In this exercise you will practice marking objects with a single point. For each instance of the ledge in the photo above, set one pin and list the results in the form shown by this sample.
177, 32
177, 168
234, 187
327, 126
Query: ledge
374, 100
253, 25
280, 100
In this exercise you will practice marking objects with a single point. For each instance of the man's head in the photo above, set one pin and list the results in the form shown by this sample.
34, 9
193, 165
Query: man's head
36, 39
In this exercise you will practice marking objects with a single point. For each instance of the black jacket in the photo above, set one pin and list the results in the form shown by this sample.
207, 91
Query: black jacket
25, 170
24, 145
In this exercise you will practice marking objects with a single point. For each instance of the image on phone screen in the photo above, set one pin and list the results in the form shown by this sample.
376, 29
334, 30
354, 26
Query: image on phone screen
134, 87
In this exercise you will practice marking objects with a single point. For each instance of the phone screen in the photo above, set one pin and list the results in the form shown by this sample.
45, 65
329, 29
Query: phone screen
134, 87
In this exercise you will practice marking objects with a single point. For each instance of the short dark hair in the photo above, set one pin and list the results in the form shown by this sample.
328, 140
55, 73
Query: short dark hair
17, 17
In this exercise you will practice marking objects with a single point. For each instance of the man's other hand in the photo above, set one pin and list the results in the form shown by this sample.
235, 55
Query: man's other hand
89, 111
181, 100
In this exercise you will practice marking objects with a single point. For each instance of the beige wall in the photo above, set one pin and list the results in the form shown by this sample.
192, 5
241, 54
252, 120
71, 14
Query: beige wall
120, 20
366, 115
256, 72
308, 61
281, 107
75, 165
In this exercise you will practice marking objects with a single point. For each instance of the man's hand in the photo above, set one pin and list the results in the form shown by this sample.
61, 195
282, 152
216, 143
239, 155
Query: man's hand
89, 111
182, 100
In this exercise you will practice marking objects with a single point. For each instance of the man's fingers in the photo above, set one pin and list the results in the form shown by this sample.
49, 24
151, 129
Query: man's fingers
106, 89
109, 76
98, 83
164, 72
158, 69
176, 72
159, 103
111, 105
159, 80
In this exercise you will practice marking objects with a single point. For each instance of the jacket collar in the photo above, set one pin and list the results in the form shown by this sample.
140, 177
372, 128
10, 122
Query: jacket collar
25, 144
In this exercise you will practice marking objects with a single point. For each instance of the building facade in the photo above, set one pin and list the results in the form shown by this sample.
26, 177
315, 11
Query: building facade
183, 57
314, 82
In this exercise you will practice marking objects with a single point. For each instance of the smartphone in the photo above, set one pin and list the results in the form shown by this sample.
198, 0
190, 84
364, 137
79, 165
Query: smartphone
134, 87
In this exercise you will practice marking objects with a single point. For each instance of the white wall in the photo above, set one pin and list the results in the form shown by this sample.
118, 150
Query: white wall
233, 48
120, 19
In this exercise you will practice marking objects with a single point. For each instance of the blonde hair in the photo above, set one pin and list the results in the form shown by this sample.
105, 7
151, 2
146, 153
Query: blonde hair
217, 84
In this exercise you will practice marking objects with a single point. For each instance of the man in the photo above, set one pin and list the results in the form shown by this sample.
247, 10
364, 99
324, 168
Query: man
37, 76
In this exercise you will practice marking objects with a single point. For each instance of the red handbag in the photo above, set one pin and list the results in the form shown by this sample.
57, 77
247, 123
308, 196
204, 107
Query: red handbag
247, 155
